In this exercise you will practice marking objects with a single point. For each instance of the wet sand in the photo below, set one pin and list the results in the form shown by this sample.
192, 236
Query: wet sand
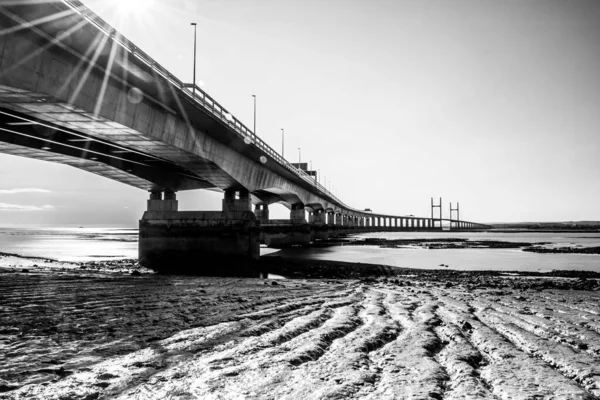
69, 332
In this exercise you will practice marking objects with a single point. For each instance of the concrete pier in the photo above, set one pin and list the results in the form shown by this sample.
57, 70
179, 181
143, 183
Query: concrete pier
282, 233
296, 231
208, 243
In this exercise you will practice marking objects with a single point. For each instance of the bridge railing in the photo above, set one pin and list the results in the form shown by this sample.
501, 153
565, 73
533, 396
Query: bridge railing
199, 96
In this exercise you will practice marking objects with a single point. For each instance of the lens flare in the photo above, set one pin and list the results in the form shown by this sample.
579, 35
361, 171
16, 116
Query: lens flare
131, 7
135, 95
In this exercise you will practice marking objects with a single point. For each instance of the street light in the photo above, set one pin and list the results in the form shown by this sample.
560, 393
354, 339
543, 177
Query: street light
194, 82
282, 143
254, 96
299, 157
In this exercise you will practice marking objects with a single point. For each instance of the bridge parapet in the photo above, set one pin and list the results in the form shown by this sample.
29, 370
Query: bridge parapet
198, 96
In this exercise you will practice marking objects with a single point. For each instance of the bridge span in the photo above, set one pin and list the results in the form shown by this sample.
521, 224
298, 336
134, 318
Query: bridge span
75, 91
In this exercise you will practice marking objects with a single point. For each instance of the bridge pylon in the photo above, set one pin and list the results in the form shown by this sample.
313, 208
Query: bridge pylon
457, 222
432, 217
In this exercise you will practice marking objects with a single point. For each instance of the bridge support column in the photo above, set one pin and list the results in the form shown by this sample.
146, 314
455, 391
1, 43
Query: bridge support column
236, 202
157, 203
207, 243
330, 218
319, 217
286, 233
298, 214
261, 211
319, 229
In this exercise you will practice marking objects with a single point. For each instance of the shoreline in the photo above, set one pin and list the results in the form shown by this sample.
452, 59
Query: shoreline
298, 269
458, 243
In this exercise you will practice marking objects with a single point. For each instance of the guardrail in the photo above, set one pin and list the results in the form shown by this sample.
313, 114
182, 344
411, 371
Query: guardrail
199, 96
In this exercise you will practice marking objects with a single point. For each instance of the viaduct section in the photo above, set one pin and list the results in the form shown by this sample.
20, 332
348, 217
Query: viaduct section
75, 91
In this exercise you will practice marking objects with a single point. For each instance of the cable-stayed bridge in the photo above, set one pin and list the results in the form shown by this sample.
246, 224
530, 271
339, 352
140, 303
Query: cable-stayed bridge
73, 90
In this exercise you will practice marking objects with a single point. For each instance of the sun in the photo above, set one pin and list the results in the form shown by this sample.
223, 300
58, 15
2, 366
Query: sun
133, 7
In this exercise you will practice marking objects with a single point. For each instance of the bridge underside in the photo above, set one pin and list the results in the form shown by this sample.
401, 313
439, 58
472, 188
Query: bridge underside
39, 127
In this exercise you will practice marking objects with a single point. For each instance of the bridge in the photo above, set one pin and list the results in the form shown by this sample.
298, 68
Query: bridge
75, 91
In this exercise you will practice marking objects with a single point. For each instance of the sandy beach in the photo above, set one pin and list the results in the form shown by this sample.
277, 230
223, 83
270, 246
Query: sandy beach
102, 330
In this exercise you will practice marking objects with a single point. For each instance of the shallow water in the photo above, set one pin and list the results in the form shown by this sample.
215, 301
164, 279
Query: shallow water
70, 244
460, 259
87, 244
463, 259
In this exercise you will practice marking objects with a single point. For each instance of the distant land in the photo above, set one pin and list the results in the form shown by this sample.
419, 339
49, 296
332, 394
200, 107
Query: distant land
551, 226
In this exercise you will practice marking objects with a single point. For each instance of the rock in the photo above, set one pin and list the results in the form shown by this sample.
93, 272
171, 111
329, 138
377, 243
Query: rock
25, 270
466, 326
135, 273
274, 283
582, 346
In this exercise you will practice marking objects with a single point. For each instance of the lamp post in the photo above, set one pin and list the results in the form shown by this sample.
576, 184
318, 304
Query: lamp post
194, 81
254, 96
282, 137
299, 158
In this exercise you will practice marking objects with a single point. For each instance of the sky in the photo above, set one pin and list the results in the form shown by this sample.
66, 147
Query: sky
493, 104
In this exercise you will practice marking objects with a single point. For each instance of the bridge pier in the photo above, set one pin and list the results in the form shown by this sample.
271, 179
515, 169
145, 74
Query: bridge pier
330, 218
261, 211
286, 233
208, 243
319, 229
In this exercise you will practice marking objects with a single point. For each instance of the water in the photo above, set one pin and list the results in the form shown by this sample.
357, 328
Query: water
86, 244
71, 244
464, 259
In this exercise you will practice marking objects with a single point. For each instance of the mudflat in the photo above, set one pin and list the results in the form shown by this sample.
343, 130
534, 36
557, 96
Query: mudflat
386, 333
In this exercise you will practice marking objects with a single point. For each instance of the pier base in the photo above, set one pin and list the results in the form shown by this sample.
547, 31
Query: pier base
200, 242
280, 235
319, 233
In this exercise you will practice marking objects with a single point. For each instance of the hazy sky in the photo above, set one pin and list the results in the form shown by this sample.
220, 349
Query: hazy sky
495, 104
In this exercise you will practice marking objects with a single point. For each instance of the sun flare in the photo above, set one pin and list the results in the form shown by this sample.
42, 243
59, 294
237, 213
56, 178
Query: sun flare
133, 7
